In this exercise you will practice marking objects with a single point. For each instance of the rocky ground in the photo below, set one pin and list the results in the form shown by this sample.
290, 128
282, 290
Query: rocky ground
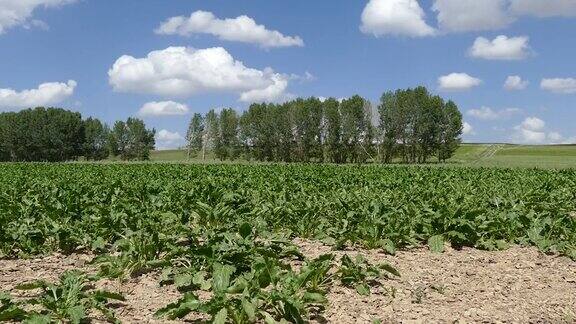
517, 285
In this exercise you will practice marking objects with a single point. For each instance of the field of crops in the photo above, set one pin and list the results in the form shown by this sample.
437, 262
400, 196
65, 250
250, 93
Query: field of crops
223, 235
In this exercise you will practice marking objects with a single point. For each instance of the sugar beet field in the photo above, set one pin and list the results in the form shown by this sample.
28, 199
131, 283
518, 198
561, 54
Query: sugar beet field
285, 243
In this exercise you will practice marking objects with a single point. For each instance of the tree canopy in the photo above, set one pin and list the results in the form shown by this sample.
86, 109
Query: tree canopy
54, 134
411, 127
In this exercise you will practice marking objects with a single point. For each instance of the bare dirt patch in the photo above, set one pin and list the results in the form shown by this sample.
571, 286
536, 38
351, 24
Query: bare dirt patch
516, 285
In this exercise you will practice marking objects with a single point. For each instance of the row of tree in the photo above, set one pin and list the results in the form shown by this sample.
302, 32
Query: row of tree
53, 134
412, 127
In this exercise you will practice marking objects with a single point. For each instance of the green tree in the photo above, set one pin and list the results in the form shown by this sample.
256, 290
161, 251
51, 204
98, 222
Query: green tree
195, 135
96, 140
212, 130
415, 125
131, 140
333, 130
450, 131
41, 134
354, 127
227, 146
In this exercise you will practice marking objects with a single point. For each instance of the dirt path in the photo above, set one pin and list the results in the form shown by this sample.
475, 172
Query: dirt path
517, 285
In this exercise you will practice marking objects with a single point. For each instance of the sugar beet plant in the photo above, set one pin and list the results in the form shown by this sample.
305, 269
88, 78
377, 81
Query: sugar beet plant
70, 300
223, 234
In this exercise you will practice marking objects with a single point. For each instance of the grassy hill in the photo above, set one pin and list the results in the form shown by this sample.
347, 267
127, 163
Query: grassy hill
499, 155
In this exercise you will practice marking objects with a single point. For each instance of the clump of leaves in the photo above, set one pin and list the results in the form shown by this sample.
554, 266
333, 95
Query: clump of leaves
360, 274
9, 310
137, 253
70, 300
271, 291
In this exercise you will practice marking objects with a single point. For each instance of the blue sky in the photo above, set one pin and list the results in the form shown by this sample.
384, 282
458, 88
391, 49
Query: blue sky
94, 56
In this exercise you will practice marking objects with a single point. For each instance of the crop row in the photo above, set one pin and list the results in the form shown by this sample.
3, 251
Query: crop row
228, 229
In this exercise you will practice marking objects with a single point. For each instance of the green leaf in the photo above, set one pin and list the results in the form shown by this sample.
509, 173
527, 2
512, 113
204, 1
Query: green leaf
502, 245
245, 230
12, 313
76, 314
268, 319
105, 295
32, 285
221, 277
98, 244
436, 243
181, 308
239, 285
315, 298
388, 246
38, 319
249, 309
182, 280
292, 312
220, 317
363, 289
388, 268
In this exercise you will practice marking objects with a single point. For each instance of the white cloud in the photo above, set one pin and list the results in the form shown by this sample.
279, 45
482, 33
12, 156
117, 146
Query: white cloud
467, 129
559, 85
458, 82
544, 8
19, 12
241, 29
555, 137
163, 108
515, 82
472, 15
531, 131
167, 136
500, 48
274, 92
487, 113
168, 140
184, 72
533, 124
46, 94
395, 17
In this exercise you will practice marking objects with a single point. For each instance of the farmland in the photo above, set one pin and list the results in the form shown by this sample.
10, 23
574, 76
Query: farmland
239, 243
476, 155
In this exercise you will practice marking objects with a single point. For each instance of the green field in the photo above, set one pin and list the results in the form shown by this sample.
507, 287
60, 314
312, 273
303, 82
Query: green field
495, 155
227, 232
506, 155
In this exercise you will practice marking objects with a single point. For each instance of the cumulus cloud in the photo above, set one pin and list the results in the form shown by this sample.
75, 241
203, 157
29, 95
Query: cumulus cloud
19, 12
472, 15
533, 124
406, 17
487, 113
533, 130
168, 140
184, 72
163, 108
500, 48
240, 29
45, 95
547, 8
515, 82
458, 82
167, 136
467, 129
395, 17
274, 92
530, 131
559, 85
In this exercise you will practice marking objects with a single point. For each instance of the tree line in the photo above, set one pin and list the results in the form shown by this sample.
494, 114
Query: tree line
413, 126
54, 135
